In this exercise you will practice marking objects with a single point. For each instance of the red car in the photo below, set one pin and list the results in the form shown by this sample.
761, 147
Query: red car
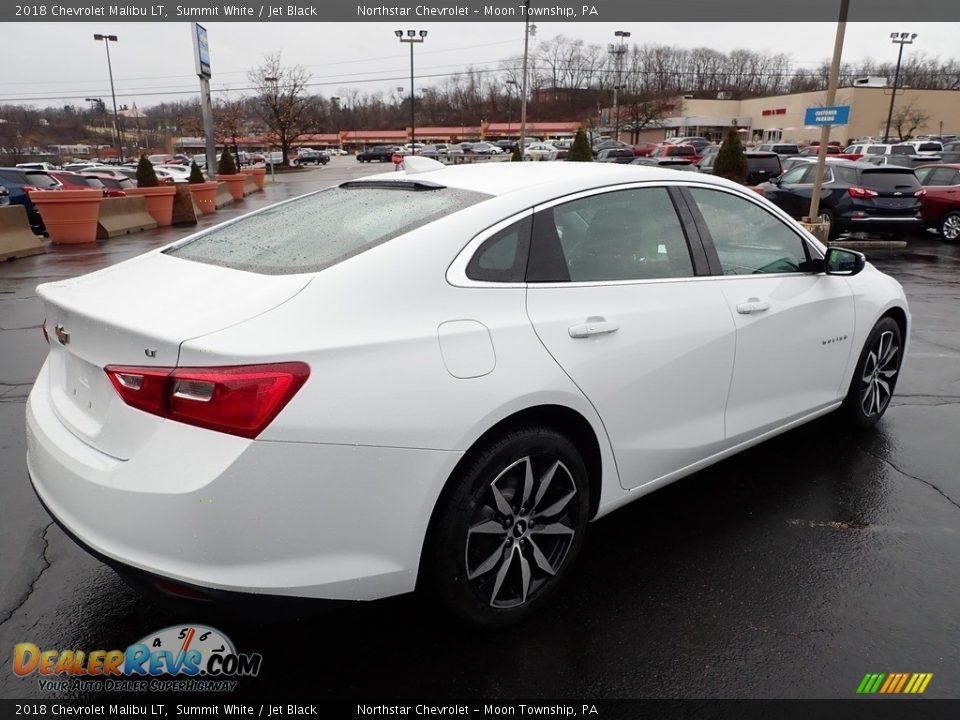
643, 149
76, 181
687, 152
940, 195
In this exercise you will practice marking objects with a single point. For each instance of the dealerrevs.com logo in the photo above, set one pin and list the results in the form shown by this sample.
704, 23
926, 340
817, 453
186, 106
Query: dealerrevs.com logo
191, 658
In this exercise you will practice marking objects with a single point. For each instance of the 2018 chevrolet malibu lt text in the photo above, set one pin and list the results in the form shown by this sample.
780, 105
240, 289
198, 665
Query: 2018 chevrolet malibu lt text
444, 382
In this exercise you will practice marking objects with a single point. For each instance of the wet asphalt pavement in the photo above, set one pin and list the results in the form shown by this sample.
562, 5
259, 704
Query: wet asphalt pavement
790, 570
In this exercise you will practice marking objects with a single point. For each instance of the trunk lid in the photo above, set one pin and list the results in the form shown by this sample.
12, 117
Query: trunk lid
139, 313
895, 190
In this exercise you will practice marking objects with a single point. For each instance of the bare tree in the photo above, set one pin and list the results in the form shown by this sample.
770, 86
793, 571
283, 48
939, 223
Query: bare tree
907, 118
230, 119
283, 102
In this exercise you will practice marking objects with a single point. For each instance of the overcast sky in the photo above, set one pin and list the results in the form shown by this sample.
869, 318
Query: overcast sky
59, 63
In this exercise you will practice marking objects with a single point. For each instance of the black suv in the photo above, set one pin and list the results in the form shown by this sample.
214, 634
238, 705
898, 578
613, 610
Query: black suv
378, 153
761, 166
856, 197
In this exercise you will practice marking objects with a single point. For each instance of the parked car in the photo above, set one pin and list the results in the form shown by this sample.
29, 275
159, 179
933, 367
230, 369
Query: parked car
113, 187
695, 140
378, 153
485, 148
77, 166
4, 196
312, 157
857, 197
609, 144
533, 429
761, 166
940, 197
929, 148
540, 151
37, 166
77, 181
814, 151
644, 149
792, 162
159, 159
894, 154
784, 150
117, 173
951, 153
619, 155
18, 181
170, 174
687, 152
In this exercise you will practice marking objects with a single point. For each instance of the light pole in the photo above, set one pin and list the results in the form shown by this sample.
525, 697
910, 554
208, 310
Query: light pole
510, 83
900, 39
334, 113
273, 172
618, 51
528, 30
107, 39
413, 36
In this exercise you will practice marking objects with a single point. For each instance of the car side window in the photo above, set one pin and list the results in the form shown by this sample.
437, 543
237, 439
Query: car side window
794, 176
942, 176
748, 239
922, 175
503, 256
621, 235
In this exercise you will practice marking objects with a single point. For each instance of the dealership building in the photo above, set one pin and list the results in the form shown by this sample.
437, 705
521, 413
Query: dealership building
781, 117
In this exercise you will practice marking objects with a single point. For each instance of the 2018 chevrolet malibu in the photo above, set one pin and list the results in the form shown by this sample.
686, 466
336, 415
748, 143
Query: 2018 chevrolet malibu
442, 383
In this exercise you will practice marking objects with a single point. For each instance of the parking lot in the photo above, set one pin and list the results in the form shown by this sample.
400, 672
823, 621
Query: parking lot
790, 570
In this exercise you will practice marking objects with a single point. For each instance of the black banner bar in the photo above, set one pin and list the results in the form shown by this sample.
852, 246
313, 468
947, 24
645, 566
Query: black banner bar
171, 706
476, 11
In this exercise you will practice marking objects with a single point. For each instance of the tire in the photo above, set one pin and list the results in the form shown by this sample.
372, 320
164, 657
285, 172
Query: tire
875, 377
828, 217
950, 227
493, 557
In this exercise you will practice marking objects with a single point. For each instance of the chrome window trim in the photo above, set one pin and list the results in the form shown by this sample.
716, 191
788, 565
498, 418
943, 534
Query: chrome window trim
456, 274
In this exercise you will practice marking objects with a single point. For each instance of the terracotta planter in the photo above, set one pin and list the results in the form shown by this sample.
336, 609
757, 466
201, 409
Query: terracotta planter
257, 173
70, 215
159, 202
205, 196
234, 184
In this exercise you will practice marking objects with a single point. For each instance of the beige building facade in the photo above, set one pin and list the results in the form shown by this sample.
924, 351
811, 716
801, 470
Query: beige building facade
781, 117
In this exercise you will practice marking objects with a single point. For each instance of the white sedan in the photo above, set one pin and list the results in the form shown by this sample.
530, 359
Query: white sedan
443, 383
541, 151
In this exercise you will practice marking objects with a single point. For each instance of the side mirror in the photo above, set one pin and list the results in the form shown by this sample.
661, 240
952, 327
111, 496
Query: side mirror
838, 261
776, 180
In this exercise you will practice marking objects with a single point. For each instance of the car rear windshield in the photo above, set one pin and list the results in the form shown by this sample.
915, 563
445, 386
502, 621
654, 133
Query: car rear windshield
769, 163
928, 147
41, 180
883, 179
786, 149
94, 183
324, 228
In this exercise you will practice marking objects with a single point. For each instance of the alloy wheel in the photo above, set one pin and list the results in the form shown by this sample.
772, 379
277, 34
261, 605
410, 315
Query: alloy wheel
879, 375
951, 227
520, 531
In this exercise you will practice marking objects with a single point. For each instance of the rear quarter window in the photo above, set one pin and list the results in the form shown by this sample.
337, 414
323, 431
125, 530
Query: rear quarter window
316, 231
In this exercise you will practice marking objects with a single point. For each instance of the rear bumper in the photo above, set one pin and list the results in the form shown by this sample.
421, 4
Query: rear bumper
879, 223
265, 518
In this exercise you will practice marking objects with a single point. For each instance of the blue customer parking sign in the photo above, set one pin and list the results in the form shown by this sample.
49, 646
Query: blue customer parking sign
839, 115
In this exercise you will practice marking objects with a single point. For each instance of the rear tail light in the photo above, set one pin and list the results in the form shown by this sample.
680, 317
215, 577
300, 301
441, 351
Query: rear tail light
28, 188
240, 400
859, 192
920, 193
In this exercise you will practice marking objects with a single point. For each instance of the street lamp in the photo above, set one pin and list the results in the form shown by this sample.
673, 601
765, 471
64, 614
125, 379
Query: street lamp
107, 39
510, 106
413, 36
273, 171
618, 51
900, 39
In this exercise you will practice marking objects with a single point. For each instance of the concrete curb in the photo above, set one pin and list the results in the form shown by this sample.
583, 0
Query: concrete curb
122, 216
16, 238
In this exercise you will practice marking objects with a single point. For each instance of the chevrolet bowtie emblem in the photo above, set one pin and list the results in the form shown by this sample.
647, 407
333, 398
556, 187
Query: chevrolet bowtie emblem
62, 335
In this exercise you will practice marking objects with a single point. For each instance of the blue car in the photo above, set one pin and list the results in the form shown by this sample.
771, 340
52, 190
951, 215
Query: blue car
16, 180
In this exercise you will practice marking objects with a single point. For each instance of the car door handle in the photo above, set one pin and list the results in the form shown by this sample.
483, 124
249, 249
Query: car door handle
753, 305
595, 325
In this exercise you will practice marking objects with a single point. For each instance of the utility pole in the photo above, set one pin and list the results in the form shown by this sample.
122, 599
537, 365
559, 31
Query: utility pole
831, 101
412, 37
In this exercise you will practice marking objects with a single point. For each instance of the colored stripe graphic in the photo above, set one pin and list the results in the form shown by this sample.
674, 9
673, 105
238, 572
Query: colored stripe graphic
894, 683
